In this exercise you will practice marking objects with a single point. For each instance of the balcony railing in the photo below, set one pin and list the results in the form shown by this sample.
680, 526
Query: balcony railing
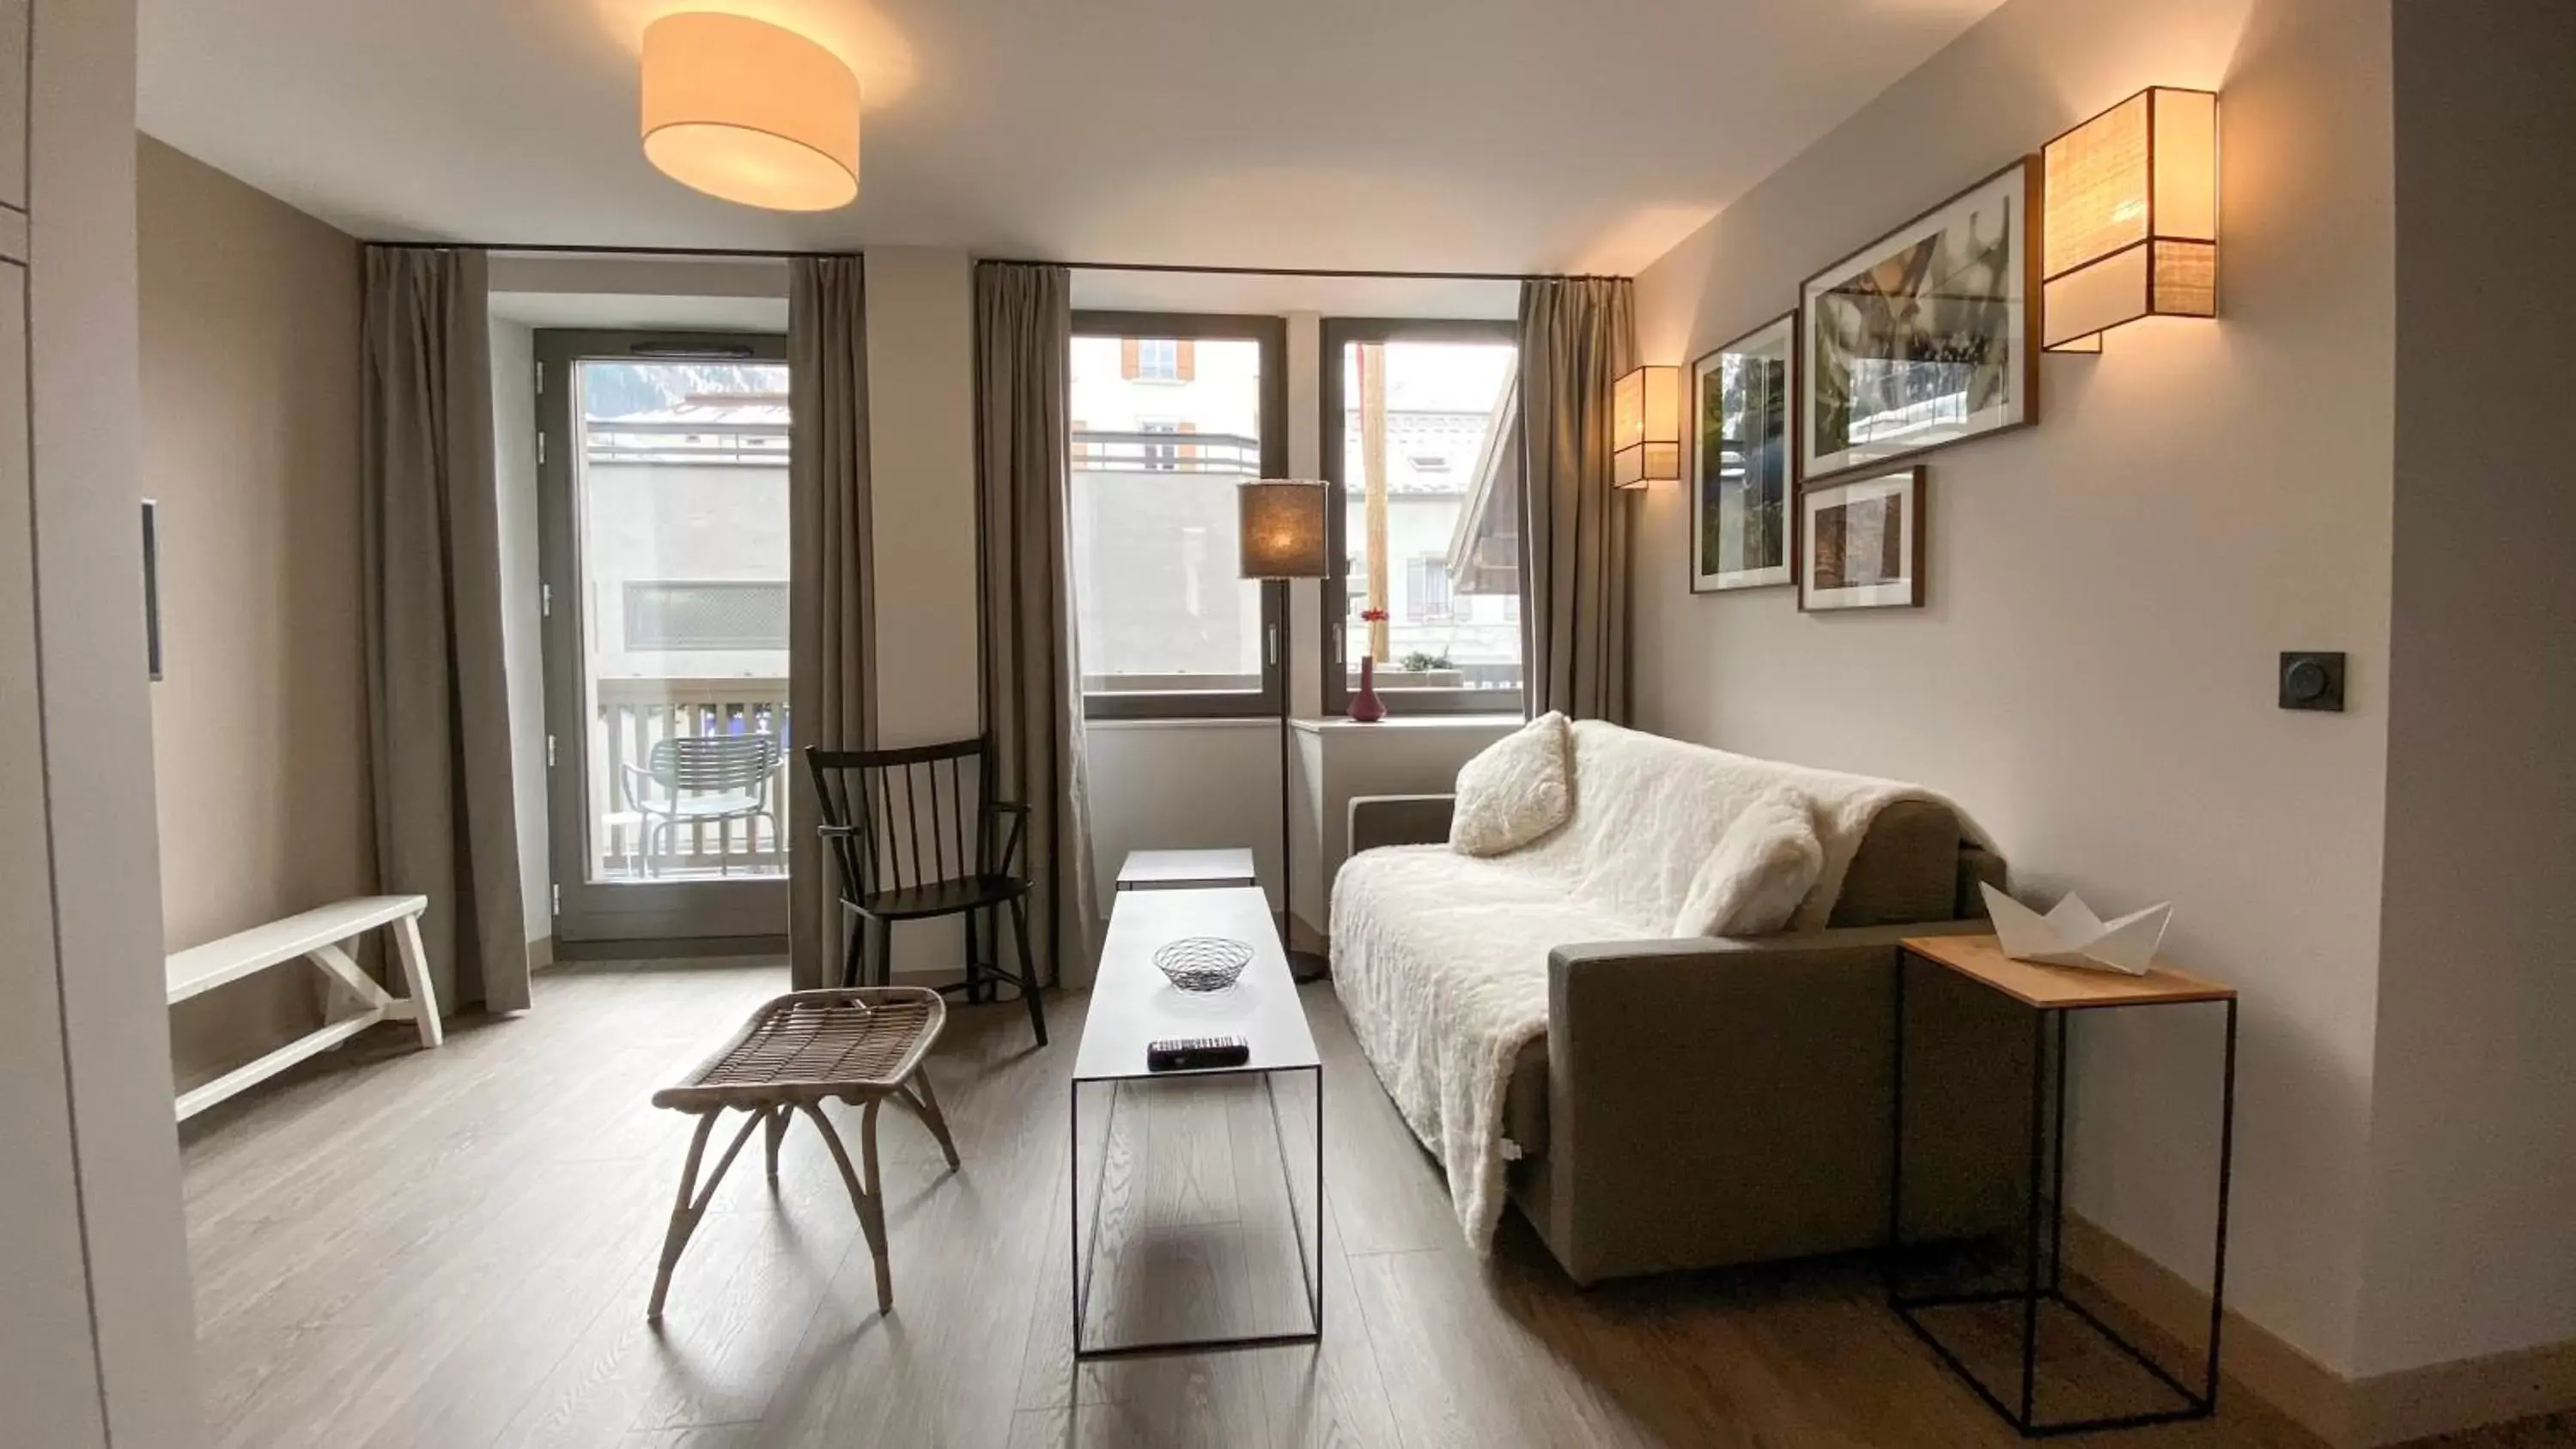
630, 716
1232, 454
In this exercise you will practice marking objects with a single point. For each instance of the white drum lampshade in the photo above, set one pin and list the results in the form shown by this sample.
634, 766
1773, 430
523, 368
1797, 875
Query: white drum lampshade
1282, 529
741, 109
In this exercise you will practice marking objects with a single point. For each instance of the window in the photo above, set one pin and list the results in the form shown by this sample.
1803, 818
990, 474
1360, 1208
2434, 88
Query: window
1158, 457
663, 522
1421, 447
1426, 589
1158, 359
1167, 629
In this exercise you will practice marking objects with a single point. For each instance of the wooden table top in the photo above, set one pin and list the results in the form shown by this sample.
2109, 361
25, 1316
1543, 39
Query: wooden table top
2061, 987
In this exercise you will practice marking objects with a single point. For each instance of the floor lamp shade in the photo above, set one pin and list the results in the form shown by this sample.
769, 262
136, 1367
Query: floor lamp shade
2131, 218
743, 110
1283, 528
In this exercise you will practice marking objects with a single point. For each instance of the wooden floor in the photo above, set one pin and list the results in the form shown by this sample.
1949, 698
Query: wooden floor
454, 1249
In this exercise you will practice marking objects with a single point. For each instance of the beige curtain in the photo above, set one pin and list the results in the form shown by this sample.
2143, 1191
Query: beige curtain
437, 707
831, 632
1577, 339
1032, 681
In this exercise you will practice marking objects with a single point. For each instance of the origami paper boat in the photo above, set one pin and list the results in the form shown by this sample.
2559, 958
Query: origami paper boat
2071, 935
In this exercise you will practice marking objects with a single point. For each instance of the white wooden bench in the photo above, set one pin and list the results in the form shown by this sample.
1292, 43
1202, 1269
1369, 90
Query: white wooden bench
320, 936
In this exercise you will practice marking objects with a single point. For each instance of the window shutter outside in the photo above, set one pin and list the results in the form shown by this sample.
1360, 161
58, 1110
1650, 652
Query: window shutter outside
1186, 367
1128, 366
1191, 450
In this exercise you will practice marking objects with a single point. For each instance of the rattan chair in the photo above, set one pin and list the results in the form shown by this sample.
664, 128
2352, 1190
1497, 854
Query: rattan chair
913, 836
861, 1046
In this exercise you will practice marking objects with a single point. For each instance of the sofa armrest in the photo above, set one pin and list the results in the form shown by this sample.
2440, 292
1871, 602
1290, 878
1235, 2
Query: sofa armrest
1398, 820
1721, 1100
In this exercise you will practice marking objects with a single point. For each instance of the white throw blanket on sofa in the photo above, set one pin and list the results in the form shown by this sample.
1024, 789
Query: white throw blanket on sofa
1440, 959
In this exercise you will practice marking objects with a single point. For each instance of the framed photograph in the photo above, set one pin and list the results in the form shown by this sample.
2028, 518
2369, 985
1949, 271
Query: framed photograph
1928, 336
1743, 478
1860, 542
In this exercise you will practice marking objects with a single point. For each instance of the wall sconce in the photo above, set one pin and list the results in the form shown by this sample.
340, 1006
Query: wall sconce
2131, 218
1646, 428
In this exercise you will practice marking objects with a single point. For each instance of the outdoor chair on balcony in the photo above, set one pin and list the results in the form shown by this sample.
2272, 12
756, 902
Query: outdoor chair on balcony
691, 781
912, 837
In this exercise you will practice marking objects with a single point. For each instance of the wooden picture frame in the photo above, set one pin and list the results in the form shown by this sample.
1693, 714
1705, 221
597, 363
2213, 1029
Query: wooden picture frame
1961, 278
1854, 552
1763, 364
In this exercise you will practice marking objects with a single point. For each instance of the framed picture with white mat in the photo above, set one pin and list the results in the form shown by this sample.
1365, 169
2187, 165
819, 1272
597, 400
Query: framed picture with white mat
1860, 542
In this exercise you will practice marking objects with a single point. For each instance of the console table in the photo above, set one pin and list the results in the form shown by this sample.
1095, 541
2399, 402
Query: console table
2052, 994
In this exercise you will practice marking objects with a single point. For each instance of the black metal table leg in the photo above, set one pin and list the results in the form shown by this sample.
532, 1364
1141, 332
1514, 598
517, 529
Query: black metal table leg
2047, 1153
1310, 1266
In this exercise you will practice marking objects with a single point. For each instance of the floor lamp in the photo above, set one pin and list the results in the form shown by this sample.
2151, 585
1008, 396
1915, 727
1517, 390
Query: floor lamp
1282, 538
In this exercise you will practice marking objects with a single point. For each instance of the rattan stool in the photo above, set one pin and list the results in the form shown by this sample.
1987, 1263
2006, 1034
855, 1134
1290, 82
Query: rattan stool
861, 1045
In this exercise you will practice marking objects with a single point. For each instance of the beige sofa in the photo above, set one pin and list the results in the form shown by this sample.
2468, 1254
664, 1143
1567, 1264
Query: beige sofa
1704, 1101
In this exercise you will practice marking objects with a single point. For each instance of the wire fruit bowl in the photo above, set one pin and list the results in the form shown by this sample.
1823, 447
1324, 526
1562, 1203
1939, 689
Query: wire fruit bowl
1203, 963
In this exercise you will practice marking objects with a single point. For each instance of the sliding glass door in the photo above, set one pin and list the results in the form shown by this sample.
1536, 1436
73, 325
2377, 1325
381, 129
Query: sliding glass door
663, 497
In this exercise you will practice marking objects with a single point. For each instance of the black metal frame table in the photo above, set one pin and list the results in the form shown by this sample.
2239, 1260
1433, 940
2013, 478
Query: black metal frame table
1131, 1005
2053, 994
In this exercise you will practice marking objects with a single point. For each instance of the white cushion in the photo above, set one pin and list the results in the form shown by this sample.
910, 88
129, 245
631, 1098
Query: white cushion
1763, 866
1515, 790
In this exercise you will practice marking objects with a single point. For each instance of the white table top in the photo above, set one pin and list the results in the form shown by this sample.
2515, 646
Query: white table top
1132, 1003
1170, 867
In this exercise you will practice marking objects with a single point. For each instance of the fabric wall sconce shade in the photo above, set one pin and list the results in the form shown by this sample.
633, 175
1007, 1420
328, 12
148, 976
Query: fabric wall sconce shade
2131, 218
1646, 428
1282, 528
741, 109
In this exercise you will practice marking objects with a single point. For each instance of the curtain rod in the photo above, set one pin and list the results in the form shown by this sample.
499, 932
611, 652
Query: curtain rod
765, 254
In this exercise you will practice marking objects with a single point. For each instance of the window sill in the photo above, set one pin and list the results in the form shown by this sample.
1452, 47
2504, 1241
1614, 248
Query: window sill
1333, 724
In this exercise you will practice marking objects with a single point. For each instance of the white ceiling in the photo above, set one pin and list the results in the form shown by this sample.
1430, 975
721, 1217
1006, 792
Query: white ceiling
1502, 135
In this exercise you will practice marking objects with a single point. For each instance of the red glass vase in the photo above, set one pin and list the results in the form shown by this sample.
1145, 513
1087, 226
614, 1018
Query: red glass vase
1366, 707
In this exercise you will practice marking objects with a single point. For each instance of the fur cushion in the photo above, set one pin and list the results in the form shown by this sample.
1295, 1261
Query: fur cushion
1515, 790
1763, 866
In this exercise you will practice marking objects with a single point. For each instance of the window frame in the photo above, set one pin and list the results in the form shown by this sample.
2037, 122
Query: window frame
1271, 335
746, 909
1334, 607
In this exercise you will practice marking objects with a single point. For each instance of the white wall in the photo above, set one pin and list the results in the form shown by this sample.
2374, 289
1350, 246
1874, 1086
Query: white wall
921, 460
2093, 676
514, 452
2474, 1132
97, 1344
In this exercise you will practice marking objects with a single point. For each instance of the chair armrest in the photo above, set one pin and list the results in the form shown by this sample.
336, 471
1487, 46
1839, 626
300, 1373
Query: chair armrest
637, 797
1399, 820
1718, 1100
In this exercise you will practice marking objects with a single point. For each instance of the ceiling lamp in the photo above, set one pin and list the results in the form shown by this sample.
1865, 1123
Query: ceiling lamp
741, 109
2131, 217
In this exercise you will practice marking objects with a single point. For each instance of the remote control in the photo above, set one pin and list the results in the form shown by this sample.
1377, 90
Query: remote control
1196, 1053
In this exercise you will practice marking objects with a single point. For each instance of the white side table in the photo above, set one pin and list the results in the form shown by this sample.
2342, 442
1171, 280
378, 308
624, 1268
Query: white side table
1173, 870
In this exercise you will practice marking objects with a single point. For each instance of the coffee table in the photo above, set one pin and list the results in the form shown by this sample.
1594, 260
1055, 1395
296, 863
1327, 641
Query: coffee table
1164, 870
1132, 1004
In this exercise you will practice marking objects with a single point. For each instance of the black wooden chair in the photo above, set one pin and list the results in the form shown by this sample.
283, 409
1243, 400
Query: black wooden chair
912, 838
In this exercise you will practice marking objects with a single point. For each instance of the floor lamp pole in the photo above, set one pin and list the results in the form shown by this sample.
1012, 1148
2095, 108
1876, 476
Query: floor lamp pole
1303, 966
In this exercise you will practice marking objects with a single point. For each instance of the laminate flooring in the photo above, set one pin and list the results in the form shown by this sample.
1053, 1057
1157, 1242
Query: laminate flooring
453, 1248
